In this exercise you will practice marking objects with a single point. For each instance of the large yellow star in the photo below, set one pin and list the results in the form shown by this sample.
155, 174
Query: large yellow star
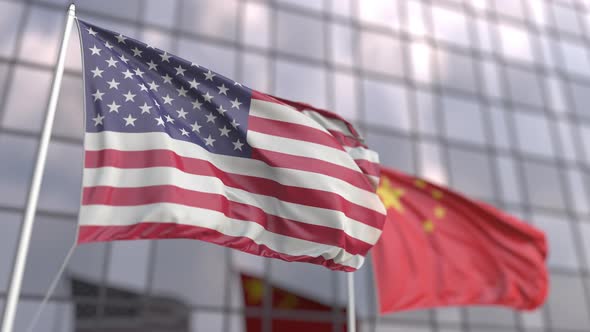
254, 291
289, 301
390, 196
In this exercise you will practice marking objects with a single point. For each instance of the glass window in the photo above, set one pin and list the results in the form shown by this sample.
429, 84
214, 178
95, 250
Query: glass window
525, 87
556, 95
48, 320
543, 184
16, 170
301, 82
10, 16
426, 112
581, 98
207, 321
396, 327
515, 43
381, 12
160, 12
210, 17
575, 58
88, 261
217, 58
69, 117
421, 59
450, 26
448, 315
463, 120
294, 32
585, 230
342, 44
509, 184
533, 134
25, 106
128, 264
456, 71
567, 307
41, 37
255, 24
501, 136
416, 24
431, 164
559, 235
539, 13
483, 35
3, 77
566, 134
566, 19
532, 320
547, 46
512, 8
585, 136
255, 71
386, 105
491, 82
9, 234
345, 98
491, 316
381, 53
393, 151
341, 7
309, 4
60, 190
470, 173
579, 194
122, 9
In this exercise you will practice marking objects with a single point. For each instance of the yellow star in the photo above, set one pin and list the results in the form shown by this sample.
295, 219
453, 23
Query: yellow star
390, 196
428, 226
254, 291
420, 183
437, 194
288, 302
439, 212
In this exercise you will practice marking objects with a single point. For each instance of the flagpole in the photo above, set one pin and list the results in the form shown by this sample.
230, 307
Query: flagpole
350, 312
33, 197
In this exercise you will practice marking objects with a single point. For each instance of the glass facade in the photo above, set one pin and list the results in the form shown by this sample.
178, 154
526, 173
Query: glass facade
490, 97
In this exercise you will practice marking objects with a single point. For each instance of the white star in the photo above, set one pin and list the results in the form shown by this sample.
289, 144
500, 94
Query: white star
207, 97
168, 100
235, 103
194, 84
152, 65
196, 104
91, 32
112, 62
224, 131
221, 110
222, 89
167, 79
194, 64
136, 52
196, 127
97, 95
153, 86
181, 113
123, 58
114, 107
182, 92
95, 50
138, 72
145, 108
121, 38
128, 74
209, 75
183, 132
165, 57
238, 145
234, 123
129, 120
98, 120
96, 72
160, 121
210, 118
169, 119
142, 87
180, 70
209, 140
108, 45
129, 96
113, 84
148, 46
238, 84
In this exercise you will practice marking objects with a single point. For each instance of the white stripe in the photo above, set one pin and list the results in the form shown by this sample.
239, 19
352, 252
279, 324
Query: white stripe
301, 149
155, 176
328, 123
280, 112
235, 165
360, 153
100, 215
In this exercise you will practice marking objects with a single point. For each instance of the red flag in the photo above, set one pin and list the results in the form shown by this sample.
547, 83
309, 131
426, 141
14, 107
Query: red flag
282, 299
440, 248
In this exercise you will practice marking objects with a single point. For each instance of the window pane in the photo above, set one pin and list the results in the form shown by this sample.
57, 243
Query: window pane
210, 17
525, 87
345, 98
342, 44
512, 8
16, 170
576, 61
533, 134
450, 26
581, 98
421, 60
381, 53
393, 152
567, 307
128, 264
426, 112
380, 12
293, 35
60, 190
42, 36
543, 185
9, 233
559, 235
566, 19
463, 120
456, 71
10, 16
491, 316
509, 184
386, 105
160, 12
301, 82
217, 58
256, 25
470, 173
515, 43
255, 71
69, 117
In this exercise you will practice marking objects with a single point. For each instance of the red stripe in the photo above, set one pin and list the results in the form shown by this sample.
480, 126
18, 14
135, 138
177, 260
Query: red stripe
262, 186
346, 140
292, 131
283, 160
171, 194
155, 230
368, 167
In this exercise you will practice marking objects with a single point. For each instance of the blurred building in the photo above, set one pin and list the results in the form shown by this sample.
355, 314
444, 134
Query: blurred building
490, 97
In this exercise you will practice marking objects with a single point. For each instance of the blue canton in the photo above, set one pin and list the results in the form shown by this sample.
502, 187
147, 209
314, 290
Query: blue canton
132, 87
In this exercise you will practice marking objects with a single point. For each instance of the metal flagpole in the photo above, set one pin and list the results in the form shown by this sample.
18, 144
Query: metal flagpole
27, 225
350, 311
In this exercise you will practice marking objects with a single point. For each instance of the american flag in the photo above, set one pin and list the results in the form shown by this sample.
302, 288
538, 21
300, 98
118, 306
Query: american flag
175, 150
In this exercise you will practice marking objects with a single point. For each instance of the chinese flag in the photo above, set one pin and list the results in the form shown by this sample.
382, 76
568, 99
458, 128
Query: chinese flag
283, 299
439, 248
